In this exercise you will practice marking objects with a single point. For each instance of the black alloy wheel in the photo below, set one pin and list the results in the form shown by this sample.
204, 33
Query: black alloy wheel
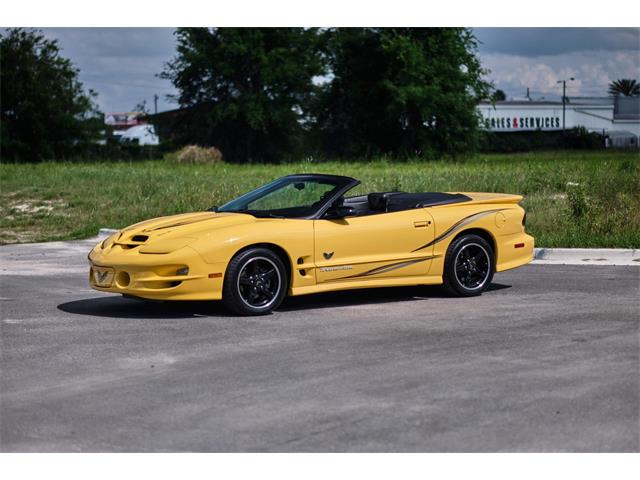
255, 283
259, 282
469, 266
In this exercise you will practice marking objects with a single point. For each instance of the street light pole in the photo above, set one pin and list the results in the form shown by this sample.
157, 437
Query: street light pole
564, 101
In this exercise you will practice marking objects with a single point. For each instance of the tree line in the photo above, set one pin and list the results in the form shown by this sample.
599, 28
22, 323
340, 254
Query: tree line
45, 111
267, 94
270, 94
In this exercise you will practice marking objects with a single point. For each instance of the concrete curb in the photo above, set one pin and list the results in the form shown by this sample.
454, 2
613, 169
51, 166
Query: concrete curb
550, 256
587, 256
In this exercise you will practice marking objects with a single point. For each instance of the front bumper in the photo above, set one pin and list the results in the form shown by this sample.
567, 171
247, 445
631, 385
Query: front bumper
154, 276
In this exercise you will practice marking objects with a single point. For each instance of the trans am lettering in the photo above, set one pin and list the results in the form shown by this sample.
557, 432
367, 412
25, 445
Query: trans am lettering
339, 267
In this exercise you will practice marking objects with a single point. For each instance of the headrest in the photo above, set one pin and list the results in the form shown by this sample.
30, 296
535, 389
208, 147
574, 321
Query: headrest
378, 201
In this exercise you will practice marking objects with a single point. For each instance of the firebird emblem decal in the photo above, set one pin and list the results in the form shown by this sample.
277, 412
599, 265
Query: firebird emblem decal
327, 255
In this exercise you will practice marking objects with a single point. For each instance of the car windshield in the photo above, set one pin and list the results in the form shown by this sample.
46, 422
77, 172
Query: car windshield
287, 197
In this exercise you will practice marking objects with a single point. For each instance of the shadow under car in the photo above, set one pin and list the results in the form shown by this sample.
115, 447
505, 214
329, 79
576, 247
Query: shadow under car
125, 307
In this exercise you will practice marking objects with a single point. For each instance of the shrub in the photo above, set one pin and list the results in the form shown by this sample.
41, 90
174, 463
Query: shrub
577, 199
510, 142
193, 154
581, 139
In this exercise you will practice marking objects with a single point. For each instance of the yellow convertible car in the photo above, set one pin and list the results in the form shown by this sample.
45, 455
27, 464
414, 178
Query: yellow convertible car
300, 234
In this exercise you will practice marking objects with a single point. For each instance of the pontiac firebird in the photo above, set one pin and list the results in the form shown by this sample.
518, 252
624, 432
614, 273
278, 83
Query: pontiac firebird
300, 234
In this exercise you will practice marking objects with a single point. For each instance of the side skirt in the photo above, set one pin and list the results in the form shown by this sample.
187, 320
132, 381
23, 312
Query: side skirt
367, 283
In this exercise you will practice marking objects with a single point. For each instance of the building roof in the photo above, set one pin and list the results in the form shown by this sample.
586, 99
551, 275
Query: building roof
522, 103
591, 101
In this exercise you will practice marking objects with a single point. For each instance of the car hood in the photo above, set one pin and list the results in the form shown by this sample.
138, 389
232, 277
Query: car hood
166, 234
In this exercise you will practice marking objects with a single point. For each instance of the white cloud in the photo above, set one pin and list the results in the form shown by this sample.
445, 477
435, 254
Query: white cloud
592, 70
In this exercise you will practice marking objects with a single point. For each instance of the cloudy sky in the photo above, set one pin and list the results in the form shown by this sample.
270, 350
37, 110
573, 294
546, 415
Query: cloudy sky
538, 57
122, 64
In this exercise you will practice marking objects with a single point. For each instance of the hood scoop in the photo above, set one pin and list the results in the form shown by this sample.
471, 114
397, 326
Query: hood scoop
133, 242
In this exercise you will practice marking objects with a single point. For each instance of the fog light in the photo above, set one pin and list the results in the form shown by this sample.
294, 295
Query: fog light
123, 279
183, 271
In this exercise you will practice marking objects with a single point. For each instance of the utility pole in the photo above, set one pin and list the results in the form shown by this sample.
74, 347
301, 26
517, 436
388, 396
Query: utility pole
564, 101
155, 104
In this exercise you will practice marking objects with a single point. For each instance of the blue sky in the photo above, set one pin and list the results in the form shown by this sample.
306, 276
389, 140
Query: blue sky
122, 64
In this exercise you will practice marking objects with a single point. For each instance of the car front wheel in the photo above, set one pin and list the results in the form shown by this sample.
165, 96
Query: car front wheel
255, 282
469, 266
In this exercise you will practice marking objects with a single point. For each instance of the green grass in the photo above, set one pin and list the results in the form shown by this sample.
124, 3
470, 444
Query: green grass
573, 199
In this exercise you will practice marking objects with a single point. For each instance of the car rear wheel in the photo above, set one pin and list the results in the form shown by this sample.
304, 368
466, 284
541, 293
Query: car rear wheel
255, 282
469, 266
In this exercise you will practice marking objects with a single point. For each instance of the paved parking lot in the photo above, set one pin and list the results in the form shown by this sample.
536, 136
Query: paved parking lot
548, 360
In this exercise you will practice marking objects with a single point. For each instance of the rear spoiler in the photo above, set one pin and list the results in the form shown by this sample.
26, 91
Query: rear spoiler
481, 198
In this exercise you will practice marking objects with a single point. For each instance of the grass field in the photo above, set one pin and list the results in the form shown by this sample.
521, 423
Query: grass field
573, 199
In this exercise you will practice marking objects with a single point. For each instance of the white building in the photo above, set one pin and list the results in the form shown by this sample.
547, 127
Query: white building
141, 134
601, 115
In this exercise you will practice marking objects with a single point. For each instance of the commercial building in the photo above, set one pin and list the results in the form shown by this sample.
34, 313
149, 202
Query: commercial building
610, 116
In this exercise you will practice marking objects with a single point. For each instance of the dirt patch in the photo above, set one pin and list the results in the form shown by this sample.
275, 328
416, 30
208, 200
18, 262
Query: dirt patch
19, 216
17, 209
28, 206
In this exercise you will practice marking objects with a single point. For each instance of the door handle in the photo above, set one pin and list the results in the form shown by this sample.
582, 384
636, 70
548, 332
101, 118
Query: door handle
422, 224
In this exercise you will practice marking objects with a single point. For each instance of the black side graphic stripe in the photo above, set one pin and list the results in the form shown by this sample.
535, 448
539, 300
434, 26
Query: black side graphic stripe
457, 226
387, 268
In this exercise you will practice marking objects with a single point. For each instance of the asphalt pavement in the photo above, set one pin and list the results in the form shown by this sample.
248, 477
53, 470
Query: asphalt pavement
547, 360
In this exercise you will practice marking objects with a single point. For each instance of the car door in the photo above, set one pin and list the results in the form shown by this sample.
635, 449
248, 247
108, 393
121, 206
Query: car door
373, 246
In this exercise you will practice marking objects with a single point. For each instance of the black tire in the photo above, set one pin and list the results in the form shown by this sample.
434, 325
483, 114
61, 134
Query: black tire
468, 266
255, 282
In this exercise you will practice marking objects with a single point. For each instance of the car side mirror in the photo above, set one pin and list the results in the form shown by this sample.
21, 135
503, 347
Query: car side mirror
335, 213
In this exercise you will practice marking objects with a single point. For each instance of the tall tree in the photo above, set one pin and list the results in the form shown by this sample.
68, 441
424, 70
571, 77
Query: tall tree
624, 86
45, 112
245, 89
402, 91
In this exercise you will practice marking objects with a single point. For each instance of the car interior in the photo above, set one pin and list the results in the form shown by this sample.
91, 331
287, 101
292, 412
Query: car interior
386, 202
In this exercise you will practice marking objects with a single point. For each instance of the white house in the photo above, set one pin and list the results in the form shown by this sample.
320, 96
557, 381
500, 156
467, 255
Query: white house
141, 134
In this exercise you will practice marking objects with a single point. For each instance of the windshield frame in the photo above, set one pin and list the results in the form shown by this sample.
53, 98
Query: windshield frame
342, 185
